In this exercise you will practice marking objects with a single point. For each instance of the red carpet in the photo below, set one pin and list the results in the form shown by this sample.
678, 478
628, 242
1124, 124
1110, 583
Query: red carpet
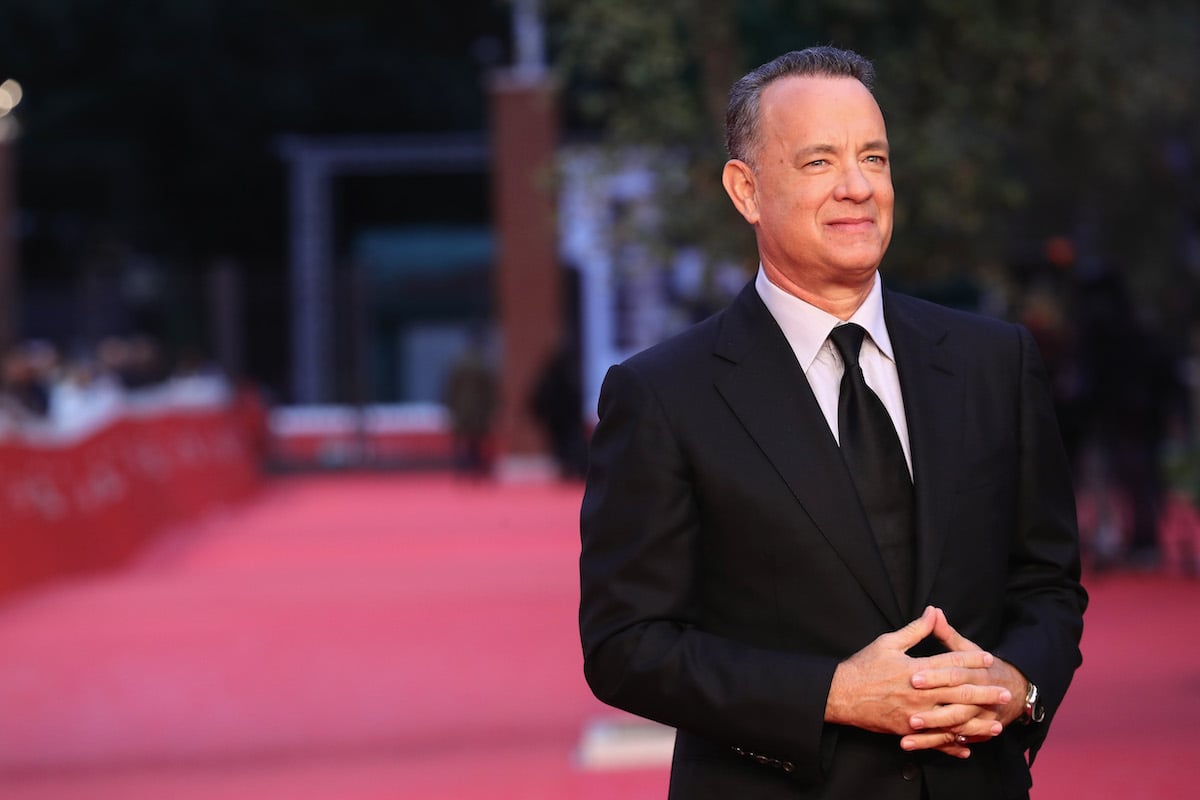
412, 637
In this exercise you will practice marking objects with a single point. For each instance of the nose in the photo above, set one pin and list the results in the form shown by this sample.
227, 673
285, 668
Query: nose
853, 185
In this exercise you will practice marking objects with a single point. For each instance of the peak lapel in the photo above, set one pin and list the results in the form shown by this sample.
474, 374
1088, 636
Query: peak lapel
767, 391
933, 406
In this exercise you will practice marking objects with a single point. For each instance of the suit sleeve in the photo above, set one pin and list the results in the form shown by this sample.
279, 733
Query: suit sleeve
1044, 600
641, 607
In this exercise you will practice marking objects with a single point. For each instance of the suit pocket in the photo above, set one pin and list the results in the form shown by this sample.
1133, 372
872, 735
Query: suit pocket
701, 777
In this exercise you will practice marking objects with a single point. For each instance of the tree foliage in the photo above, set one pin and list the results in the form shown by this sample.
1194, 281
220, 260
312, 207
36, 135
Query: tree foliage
1011, 121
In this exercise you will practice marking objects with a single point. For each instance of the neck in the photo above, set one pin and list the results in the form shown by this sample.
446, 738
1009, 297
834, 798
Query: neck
839, 299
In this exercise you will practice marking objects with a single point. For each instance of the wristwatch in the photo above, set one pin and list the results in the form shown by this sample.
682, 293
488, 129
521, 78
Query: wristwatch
1034, 710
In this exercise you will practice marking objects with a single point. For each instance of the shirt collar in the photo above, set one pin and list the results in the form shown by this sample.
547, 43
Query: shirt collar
807, 327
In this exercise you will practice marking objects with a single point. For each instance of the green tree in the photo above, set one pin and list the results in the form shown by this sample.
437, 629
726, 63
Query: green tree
1011, 121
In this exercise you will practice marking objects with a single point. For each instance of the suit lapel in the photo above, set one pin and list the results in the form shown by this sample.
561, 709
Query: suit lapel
933, 406
767, 391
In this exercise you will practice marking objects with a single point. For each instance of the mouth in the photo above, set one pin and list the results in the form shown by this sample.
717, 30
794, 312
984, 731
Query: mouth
851, 224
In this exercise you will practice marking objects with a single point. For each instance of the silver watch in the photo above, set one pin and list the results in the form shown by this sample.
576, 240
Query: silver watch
1034, 710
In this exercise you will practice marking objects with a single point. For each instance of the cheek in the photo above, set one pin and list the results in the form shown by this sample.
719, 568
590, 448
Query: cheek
801, 205
793, 208
885, 195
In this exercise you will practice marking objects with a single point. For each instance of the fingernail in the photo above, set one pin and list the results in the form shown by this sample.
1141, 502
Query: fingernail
918, 680
997, 729
907, 744
917, 723
1005, 696
965, 753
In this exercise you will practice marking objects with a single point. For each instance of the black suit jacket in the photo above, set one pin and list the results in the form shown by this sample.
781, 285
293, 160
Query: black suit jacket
727, 566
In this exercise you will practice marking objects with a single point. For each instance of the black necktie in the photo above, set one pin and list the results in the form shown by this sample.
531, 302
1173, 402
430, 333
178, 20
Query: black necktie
873, 453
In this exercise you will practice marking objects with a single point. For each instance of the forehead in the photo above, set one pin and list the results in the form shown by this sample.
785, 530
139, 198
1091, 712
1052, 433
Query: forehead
812, 107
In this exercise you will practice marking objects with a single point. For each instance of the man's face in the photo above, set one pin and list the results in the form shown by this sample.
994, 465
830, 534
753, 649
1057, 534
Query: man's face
820, 195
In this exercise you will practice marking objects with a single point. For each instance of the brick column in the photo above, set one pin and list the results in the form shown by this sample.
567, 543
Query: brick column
528, 282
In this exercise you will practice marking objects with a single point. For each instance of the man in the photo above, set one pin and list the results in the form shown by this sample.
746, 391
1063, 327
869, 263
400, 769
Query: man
740, 580
470, 395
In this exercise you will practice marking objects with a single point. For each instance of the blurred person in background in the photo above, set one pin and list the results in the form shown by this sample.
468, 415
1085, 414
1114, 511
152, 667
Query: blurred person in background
557, 405
26, 373
1131, 392
135, 361
142, 364
84, 394
812, 624
471, 395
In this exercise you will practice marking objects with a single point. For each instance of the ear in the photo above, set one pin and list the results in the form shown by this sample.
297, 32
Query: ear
740, 184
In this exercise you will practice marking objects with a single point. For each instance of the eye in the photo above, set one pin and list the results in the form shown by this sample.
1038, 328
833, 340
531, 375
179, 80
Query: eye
877, 159
820, 162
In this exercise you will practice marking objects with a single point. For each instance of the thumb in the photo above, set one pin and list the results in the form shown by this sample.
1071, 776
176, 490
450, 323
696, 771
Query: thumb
950, 636
914, 632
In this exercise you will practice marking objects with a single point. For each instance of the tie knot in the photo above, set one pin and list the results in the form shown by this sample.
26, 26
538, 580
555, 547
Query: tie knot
848, 340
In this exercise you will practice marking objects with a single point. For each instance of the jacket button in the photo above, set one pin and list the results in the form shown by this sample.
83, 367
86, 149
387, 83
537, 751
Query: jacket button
911, 772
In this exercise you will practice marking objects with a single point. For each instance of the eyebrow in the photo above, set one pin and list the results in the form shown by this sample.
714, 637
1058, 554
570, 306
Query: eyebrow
828, 149
815, 150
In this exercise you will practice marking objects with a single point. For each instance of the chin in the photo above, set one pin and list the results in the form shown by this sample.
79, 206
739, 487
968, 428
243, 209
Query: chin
860, 266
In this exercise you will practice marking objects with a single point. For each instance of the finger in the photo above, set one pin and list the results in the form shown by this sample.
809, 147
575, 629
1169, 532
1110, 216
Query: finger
938, 677
971, 666
979, 729
952, 676
947, 743
968, 694
913, 633
973, 732
973, 720
948, 635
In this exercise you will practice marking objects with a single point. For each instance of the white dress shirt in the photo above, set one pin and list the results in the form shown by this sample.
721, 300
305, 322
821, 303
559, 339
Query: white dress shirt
807, 330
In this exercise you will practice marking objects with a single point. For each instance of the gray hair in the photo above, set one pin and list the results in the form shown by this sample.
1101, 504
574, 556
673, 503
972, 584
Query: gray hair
741, 116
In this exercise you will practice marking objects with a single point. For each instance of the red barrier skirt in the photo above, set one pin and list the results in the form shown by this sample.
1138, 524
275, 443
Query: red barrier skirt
91, 503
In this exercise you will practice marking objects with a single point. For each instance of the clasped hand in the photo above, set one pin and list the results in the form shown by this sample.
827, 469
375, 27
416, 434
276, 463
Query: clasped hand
944, 702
